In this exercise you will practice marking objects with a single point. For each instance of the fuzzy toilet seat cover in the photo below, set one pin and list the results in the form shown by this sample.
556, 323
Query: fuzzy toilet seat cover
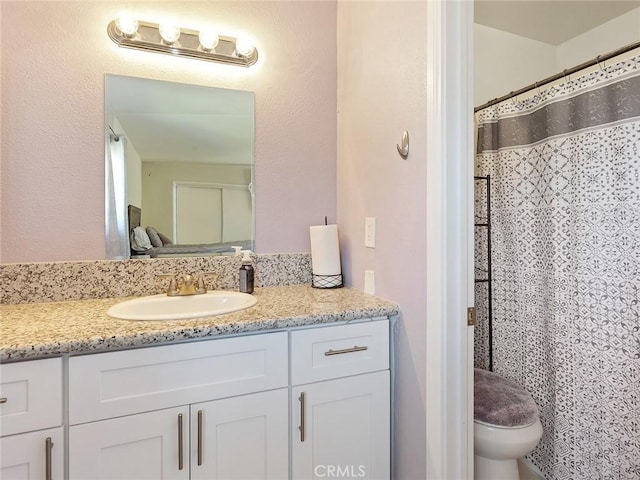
502, 402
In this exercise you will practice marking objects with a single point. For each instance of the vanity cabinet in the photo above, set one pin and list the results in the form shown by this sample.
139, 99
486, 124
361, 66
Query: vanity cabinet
233, 438
32, 437
309, 402
228, 416
341, 402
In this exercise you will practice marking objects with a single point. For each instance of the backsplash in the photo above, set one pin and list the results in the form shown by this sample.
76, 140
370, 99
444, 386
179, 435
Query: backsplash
61, 281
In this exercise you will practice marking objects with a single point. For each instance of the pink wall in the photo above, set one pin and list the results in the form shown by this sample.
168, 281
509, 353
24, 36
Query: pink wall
381, 92
53, 59
55, 55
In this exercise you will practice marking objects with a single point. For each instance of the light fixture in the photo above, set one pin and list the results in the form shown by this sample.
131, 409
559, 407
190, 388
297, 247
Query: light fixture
244, 47
171, 39
208, 39
127, 26
169, 33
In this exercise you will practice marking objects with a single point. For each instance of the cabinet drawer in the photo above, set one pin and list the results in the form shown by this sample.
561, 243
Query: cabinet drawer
121, 383
332, 352
31, 395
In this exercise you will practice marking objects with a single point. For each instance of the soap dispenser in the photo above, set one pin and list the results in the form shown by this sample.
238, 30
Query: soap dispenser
246, 273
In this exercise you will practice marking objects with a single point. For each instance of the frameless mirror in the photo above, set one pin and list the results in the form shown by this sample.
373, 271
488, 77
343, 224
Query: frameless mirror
178, 168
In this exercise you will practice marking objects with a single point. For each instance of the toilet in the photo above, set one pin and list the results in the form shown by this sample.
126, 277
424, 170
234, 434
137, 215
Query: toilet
506, 426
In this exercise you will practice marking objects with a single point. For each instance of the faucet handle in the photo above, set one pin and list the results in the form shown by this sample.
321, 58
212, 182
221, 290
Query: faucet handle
201, 283
173, 285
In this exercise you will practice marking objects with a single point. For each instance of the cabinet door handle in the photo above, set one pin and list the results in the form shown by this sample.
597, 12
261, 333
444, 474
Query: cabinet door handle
48, 446
355, 348
302, 415
4, 400
199, 437
180, 443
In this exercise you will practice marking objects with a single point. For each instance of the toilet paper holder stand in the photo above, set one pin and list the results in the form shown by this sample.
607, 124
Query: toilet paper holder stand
327, 281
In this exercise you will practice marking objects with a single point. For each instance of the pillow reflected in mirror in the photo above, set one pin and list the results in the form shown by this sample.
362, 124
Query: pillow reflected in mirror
140, 241
154, 237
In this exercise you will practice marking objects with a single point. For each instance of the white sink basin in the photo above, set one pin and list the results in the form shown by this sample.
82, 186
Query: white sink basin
163, 307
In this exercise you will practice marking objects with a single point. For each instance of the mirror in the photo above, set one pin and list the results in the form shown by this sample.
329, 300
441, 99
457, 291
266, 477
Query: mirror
178, 169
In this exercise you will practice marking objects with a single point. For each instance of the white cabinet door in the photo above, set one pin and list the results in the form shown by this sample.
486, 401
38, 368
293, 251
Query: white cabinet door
25, 456
242, 437
144, 446
31, 396
341, 428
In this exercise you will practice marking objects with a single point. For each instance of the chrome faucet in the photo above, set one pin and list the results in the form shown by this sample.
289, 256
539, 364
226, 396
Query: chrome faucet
186, 284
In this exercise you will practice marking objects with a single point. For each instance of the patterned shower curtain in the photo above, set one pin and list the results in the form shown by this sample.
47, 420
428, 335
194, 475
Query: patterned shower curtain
565, 217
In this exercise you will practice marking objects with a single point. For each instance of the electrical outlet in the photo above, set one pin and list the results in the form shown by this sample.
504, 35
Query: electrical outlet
370, 232
369, 282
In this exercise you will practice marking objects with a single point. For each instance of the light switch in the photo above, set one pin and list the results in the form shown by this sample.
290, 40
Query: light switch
370, 232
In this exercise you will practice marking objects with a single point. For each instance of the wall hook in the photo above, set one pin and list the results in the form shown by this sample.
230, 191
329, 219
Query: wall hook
404, 150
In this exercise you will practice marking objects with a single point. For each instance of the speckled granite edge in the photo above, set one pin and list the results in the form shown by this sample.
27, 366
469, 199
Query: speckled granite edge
30, 331
63, 281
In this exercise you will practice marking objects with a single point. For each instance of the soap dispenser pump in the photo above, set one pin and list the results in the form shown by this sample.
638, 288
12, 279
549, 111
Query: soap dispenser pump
246, 273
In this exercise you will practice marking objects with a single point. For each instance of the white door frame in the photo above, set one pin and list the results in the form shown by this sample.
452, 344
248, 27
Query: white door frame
449, 393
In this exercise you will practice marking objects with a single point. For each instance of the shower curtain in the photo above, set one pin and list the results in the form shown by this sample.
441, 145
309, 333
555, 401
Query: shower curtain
116, 222
565, 217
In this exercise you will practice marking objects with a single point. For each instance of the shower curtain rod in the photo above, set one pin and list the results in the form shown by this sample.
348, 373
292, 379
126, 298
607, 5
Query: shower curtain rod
558, 76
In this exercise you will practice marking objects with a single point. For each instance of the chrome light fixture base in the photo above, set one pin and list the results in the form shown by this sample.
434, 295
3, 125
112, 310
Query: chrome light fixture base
188, 45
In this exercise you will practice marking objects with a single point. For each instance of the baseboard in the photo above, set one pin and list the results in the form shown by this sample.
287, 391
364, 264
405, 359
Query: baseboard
528, 471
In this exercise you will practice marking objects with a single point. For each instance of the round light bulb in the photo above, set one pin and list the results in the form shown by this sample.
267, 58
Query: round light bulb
169, 32
244, 47
128, 26
208, 39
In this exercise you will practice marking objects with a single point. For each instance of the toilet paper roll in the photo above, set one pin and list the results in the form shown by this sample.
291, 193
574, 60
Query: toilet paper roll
325, 250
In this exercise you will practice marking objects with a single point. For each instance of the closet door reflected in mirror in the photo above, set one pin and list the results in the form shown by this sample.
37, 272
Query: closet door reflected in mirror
163, 138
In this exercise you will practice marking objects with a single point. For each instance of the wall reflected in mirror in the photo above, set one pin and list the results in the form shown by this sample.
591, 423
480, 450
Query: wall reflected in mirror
178, 169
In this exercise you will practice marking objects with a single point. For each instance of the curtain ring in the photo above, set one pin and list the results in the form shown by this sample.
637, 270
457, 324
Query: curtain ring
602, 65
514, 98
537, 87
564, 73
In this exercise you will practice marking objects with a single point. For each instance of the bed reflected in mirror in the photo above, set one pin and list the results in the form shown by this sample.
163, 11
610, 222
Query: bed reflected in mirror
179, 169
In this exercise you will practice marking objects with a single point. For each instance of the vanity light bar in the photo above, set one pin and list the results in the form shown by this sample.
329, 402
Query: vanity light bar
147, 36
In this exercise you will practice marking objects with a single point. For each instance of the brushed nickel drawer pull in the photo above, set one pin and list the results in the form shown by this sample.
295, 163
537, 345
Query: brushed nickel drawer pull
199, 437
355, 348
302, 415
180, 443
4, 400
48, 446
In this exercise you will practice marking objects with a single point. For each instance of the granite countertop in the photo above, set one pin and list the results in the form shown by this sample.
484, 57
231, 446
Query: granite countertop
40, 330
